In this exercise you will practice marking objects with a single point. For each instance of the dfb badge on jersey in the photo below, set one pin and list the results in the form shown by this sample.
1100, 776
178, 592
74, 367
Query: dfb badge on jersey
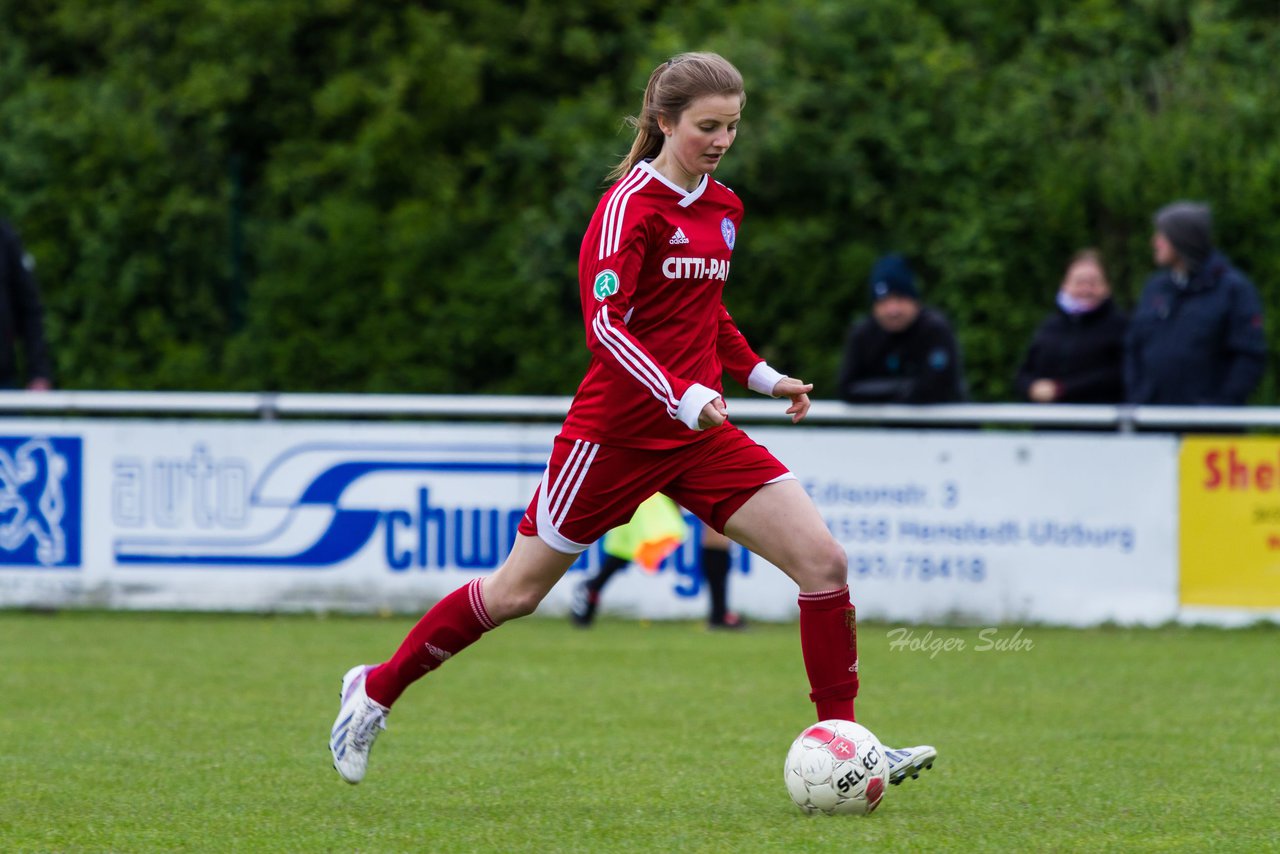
730, 233
606, 285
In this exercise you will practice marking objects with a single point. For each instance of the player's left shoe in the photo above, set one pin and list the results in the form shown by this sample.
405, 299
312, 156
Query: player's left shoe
358, 724
907, 762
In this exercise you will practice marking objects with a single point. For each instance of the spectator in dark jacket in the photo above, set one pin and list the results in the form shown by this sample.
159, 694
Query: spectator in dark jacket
1077, 354
1196, 337
903, 352
21, 316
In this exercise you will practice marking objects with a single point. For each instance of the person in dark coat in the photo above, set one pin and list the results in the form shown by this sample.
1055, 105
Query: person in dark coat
903, 352
1196, 338
21, 316
1077, 354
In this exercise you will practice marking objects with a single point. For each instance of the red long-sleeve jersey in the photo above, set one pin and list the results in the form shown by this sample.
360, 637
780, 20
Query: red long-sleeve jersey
652, 271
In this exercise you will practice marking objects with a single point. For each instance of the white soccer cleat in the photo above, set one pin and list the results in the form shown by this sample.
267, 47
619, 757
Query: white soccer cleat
359, 721
907, 762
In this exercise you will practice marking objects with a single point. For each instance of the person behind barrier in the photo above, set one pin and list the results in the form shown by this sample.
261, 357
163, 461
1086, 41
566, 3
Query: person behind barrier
1077, 354
655, 531
904, 351
21, 316
1196, 338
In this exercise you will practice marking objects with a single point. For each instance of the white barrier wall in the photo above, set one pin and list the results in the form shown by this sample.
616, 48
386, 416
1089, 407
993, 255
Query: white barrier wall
1070, 529
357, 516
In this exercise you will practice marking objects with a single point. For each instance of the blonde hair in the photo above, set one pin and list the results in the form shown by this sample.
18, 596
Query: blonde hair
673, 86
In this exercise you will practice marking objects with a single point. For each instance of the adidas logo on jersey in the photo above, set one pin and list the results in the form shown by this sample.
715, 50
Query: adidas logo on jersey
678, 238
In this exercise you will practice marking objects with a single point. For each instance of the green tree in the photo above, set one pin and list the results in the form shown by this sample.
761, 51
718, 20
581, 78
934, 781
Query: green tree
389, 196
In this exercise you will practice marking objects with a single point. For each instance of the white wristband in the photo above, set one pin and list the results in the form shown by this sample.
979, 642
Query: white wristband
695, 397
763, 379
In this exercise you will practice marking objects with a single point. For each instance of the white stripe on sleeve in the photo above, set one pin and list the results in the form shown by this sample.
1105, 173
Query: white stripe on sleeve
616, 211
633, 360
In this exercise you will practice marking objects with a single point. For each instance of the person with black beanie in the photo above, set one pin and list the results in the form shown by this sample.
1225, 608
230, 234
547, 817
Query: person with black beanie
1196, 338
1077, 354
903, 352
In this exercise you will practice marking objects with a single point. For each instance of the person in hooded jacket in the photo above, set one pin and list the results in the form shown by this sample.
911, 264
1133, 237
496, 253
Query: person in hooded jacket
903, 351
1196, 337
1077, 354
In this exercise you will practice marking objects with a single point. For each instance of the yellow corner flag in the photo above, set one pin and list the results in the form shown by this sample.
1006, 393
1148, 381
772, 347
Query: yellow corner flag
655, 531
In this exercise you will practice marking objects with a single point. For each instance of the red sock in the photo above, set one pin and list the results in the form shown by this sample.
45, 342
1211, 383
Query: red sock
453, 624
829, 642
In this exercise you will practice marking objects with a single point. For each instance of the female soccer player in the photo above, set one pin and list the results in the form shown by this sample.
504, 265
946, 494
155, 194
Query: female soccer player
649, 417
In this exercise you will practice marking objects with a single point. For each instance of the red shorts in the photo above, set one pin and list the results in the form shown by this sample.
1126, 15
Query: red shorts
589, 489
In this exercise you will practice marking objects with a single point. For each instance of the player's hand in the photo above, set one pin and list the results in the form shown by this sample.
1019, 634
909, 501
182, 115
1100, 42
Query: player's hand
798, 391
1043, 391
713, 414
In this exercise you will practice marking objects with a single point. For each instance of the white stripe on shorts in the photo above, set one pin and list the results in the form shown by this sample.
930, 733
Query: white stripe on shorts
567, 475
576, 484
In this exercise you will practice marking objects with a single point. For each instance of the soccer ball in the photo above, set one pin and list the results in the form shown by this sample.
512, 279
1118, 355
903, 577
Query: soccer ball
838, 768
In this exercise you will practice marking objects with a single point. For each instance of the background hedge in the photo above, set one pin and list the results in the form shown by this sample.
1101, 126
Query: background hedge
334, 195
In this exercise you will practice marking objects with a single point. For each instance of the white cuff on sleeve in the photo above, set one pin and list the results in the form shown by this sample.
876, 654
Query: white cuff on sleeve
763, 378
695, 397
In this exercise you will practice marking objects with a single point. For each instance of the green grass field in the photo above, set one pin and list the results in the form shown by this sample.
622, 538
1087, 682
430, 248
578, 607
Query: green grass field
135, 732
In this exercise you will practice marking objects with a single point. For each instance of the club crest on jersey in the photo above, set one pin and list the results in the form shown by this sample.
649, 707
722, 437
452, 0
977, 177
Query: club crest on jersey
606, 285
730, 233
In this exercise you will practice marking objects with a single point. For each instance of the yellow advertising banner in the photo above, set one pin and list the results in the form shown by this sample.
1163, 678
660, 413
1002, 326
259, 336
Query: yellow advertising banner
1230, 521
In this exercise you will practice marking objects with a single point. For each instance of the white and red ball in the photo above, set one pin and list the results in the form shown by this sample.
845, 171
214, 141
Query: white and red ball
837, 768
